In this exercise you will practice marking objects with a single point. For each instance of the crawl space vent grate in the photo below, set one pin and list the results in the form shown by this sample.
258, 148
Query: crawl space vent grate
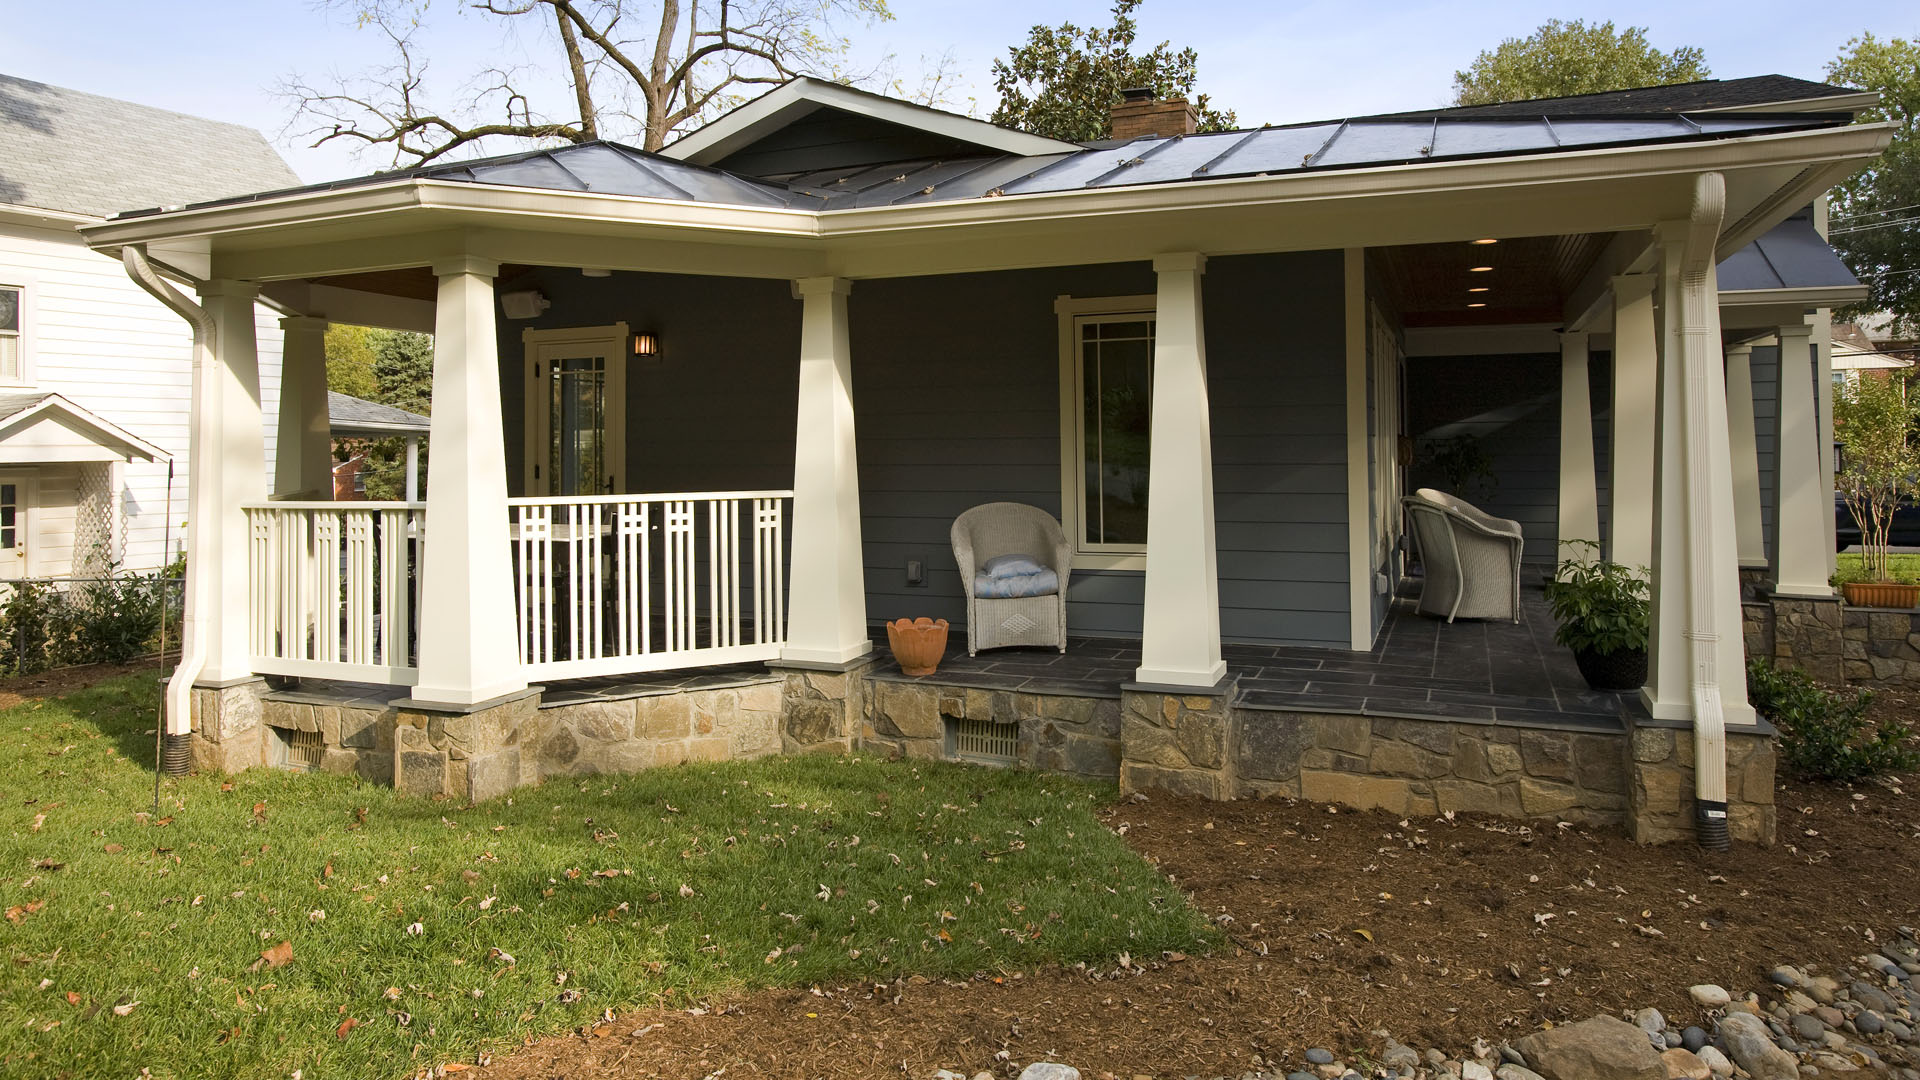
981, 740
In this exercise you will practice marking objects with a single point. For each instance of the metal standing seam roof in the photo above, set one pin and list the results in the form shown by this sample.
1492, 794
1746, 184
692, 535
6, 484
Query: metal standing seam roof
613, 169
1791, 255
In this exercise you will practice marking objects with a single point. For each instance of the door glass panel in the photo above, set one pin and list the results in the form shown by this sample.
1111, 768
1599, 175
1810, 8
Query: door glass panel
1116, 401
578, 458
9, 512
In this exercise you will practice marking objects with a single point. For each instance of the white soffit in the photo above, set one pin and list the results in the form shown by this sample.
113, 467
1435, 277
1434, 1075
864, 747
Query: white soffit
800, 97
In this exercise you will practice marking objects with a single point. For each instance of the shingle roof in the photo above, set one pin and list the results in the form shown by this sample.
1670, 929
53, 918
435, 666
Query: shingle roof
15, 402
349, 415
86, 154
613, 169
1707, 94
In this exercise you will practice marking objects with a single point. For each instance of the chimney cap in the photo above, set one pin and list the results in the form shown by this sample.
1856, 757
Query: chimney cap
1137, 93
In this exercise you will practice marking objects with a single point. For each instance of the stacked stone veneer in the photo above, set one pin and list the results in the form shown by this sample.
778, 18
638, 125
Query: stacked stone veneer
1836, 644
1661, 803
1055, 732
822, 710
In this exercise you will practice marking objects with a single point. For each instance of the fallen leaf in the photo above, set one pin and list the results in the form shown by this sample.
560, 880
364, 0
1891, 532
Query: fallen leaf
278, 956
259, 811
73, 998
345, 1026
1364, 933
123, 1010
49, 864
39, 820
113, 849
686, 890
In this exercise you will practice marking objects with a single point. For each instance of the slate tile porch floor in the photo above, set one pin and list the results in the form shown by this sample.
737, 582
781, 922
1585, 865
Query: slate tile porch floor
1421, 667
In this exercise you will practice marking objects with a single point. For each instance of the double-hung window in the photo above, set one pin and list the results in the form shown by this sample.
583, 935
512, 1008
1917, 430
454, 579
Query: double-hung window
1106, 385
12, 350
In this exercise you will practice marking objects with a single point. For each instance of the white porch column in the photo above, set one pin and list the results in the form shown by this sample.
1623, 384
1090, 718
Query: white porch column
228, 458
1180, 634
1803, 497
1697, 661
413, 469
303, 463
468, 653
1636, 384
827, 591
1743, 446
1823, 402
1579, 489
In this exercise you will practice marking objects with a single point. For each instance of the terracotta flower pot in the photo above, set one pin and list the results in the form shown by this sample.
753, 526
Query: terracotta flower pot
1883, 594
917, 645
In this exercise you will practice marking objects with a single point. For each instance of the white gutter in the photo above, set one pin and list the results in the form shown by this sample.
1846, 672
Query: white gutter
193, 654
1700, 360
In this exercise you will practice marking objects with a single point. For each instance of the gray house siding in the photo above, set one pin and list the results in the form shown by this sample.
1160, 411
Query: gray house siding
1511, 404
1765, 363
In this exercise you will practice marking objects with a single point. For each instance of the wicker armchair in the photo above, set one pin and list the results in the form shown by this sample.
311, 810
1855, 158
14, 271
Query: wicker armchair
1471, 558
1004, 528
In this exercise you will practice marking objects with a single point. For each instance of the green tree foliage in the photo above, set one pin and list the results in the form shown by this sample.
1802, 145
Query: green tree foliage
392, 367
1876, 212
1873, 419
1064, 82
1561, 59
350, 361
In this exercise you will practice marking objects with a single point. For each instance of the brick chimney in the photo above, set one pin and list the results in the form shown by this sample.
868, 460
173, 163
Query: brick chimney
1137, 113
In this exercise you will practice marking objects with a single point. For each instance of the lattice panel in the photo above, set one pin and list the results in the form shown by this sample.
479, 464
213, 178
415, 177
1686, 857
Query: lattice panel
95, 547
982, 741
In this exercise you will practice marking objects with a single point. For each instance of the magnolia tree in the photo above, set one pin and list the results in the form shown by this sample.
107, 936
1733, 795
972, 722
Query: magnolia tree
1880, 462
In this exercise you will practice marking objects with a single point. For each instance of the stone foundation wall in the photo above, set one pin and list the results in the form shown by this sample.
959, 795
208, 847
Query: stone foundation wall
1661, 793
227, 727
1433, 766
1182, 743
1058, 733
359, 738
1836, 644
821, 710
631, 734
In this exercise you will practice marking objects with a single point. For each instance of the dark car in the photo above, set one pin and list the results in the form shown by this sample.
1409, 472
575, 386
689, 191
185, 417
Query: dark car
1904, 533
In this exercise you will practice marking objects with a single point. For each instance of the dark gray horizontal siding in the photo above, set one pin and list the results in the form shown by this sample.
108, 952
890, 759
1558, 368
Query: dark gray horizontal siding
1765, 364
1511, 404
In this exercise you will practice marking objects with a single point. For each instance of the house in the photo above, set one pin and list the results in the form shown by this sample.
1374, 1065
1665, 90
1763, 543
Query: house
355, 418
94, 373
702, 417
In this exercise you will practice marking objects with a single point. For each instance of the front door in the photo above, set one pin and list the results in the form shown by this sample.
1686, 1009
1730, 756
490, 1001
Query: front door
576, 410
14, 530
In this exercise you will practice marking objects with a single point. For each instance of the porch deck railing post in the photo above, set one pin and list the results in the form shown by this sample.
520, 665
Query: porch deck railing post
1803, 495
467, 651
1749, 533
827, 605
1579, 502
303, 456
1180, 620
228, 455
1697, 657
1636, 384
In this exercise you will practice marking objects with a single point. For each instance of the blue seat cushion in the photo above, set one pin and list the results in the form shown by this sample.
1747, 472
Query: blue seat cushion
1012, 566
1044, 583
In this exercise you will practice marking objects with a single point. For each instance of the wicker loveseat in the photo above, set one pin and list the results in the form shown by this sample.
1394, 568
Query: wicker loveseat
991, 531
1471, 558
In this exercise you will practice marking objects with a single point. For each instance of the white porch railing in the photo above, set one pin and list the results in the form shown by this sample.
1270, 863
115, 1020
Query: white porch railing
333, 588
613, 584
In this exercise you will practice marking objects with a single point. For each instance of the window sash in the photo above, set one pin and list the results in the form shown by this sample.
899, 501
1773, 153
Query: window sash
1102, 343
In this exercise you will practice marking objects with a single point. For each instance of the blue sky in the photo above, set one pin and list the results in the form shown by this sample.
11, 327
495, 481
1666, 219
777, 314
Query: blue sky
1272, 62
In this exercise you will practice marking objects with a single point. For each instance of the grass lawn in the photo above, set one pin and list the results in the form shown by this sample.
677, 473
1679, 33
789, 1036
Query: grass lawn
425, 932
1850, 566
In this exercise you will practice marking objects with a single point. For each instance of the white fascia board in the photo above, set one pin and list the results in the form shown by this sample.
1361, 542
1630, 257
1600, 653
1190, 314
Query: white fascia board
18, 214
106, 433
799, 97
1822, 296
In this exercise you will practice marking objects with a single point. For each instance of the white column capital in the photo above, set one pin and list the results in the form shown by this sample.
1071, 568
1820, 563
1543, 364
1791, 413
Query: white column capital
292, 323
466, 264
1573, 339
1744, 350
229, 287
1176, 261
821, 286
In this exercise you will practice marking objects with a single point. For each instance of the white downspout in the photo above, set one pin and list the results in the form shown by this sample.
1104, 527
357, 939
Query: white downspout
193, 652
1700, 359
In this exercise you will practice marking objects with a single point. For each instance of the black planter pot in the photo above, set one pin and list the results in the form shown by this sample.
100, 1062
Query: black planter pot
1618, 671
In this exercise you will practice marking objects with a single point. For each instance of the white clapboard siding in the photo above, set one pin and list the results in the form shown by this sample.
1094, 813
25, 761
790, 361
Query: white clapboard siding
95, 337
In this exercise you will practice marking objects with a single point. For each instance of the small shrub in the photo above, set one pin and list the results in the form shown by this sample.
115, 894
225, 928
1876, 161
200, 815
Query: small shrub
30, 620
1826, 735
105, 621
1601, 606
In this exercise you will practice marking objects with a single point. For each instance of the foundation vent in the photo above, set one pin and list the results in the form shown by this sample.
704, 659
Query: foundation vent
982, 741
300, 749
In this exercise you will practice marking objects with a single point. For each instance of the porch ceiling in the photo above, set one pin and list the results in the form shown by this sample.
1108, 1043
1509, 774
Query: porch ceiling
1528, 279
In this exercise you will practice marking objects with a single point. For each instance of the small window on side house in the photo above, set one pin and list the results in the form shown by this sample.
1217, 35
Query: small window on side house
10, 346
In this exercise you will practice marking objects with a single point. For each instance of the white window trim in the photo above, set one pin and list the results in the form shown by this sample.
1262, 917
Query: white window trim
1073, 473
613, 338
29, 326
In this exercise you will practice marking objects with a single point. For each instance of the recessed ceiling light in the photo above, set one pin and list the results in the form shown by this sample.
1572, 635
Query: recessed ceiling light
1488, 240
1479, 269
1476, 305
1478, 288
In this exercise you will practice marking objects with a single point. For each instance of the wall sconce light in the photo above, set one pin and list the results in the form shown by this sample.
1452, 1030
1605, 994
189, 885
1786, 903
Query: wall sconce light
646, 345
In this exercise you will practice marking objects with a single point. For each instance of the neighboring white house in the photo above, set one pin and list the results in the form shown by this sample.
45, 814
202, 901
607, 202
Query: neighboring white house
95, 374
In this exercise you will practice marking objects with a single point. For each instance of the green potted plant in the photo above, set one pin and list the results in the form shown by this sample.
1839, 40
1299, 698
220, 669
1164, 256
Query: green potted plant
1602, 609
1873, 420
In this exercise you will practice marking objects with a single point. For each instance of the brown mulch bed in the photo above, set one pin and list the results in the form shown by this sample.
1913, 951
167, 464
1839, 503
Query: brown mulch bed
17, 688
1341, 923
